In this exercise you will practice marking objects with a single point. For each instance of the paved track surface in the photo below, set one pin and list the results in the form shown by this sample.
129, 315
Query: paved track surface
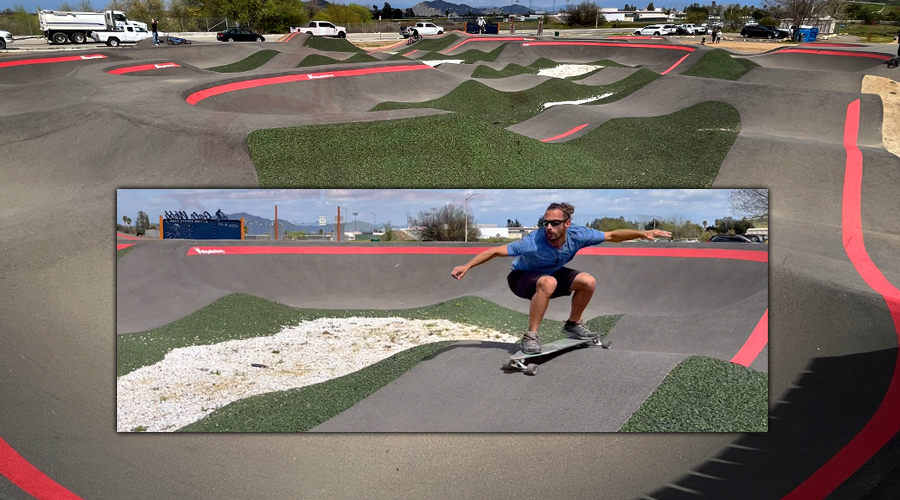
833, 344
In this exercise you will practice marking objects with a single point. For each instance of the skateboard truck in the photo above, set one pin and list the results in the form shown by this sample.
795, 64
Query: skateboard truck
516, 360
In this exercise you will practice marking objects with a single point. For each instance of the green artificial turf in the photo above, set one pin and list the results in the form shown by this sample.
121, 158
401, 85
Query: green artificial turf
705, 395
250, 62
301, 409
468, 57
435, 44
681, 150
121, 253
479, 101
718, 63
327, 44
514, 69
239, 316
316, 60
358, 58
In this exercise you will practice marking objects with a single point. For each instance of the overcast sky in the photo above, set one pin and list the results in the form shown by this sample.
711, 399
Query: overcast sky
490, 206
32, 5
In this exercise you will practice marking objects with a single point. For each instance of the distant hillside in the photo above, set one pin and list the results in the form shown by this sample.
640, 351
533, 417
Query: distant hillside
439, 8
261, 225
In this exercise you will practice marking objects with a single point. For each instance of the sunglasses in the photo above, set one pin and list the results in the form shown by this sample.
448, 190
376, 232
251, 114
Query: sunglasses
553, 223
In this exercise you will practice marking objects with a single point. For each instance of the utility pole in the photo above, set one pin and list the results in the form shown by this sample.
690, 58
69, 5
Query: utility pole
467, 215
354, 221
374, 218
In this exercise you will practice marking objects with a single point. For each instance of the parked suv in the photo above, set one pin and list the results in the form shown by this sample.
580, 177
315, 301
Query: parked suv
653, 29
725, 238
5, 38
758, 32
779, 32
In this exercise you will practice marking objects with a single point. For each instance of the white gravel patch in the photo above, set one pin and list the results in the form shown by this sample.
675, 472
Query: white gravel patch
567, 70
582, 101
191, 382
442, 61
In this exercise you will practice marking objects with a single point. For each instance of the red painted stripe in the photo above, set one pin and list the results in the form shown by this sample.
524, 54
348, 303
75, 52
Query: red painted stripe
613, 44
120, 246
126, 236
885, 423
292, 35
631, 37
833, 53
249, 84
749, 255
26, 62
143, 67
565, 134
755, 343
817, 44
675, 65
28, 478
411, 53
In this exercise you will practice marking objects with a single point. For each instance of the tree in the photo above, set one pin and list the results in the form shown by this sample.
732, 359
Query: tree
85, 6
513, 223
142, 224
446, 223
126, 220
65, 6
800, 11
753, 203
387, 11
585, 14
650, 6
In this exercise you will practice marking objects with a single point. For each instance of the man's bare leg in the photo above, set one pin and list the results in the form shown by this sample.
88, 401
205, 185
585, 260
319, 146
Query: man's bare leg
583, 286
546, 285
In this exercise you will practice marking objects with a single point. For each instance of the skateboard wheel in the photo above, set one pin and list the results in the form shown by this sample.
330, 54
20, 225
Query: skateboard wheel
507, 365
596, 340
531, 369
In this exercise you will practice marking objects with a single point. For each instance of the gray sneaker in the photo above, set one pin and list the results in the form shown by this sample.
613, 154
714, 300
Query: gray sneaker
530, 343
578, 331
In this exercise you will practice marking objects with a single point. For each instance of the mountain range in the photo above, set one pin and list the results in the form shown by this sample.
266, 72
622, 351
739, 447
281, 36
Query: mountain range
440, 8
261, 225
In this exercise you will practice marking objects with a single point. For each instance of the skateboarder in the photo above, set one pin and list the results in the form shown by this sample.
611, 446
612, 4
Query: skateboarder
153, 24
539, 273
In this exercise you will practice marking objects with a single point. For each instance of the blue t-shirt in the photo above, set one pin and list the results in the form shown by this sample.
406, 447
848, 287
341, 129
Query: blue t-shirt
535, 253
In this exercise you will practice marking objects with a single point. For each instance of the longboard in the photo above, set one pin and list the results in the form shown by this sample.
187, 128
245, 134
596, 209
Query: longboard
516, 360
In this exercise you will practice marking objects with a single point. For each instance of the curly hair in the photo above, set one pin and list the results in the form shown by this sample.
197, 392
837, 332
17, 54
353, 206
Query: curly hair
565, 207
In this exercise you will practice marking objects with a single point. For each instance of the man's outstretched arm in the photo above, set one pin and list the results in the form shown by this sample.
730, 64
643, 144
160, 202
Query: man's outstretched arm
629, 234
490, 253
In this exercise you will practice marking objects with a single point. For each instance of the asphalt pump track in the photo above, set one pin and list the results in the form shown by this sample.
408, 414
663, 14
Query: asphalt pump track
73, 133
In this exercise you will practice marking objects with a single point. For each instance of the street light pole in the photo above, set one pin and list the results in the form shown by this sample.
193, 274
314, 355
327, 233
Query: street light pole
374, 219
467, 215
354, 222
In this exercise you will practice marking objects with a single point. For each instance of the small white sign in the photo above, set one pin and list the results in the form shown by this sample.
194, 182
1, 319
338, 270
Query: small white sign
322, 220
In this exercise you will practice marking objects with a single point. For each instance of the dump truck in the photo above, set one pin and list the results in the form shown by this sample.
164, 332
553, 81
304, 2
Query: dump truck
61, 27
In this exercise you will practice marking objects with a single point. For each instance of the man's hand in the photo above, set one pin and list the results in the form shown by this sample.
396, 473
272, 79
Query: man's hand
459, 272
656, 233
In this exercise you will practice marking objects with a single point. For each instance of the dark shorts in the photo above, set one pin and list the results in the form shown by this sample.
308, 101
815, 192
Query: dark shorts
524, 283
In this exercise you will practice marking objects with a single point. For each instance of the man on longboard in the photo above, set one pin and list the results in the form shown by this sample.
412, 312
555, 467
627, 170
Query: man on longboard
539, 273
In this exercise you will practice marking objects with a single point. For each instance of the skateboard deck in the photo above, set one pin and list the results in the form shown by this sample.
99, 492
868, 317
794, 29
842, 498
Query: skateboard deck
516, 360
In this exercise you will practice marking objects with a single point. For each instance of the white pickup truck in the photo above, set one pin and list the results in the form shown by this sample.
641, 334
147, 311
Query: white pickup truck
5, 38
129, 34
322, 28
423, 29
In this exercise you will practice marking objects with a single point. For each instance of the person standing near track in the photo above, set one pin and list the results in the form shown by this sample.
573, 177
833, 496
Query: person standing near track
154, 23
538, 272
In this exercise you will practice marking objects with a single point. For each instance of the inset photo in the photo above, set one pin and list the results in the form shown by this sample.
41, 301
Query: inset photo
442, 310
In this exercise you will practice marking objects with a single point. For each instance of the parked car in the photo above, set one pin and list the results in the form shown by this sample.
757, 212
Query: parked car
239, 35
757, 31
652, 30
5, 38
726, 238
779, 32
755, 238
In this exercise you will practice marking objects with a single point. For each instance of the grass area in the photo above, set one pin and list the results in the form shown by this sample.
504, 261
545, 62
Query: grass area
331, 44
680, 150
477, 100
250, 62
718, 63
705, 395
881, 33
121, 253
239, 316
